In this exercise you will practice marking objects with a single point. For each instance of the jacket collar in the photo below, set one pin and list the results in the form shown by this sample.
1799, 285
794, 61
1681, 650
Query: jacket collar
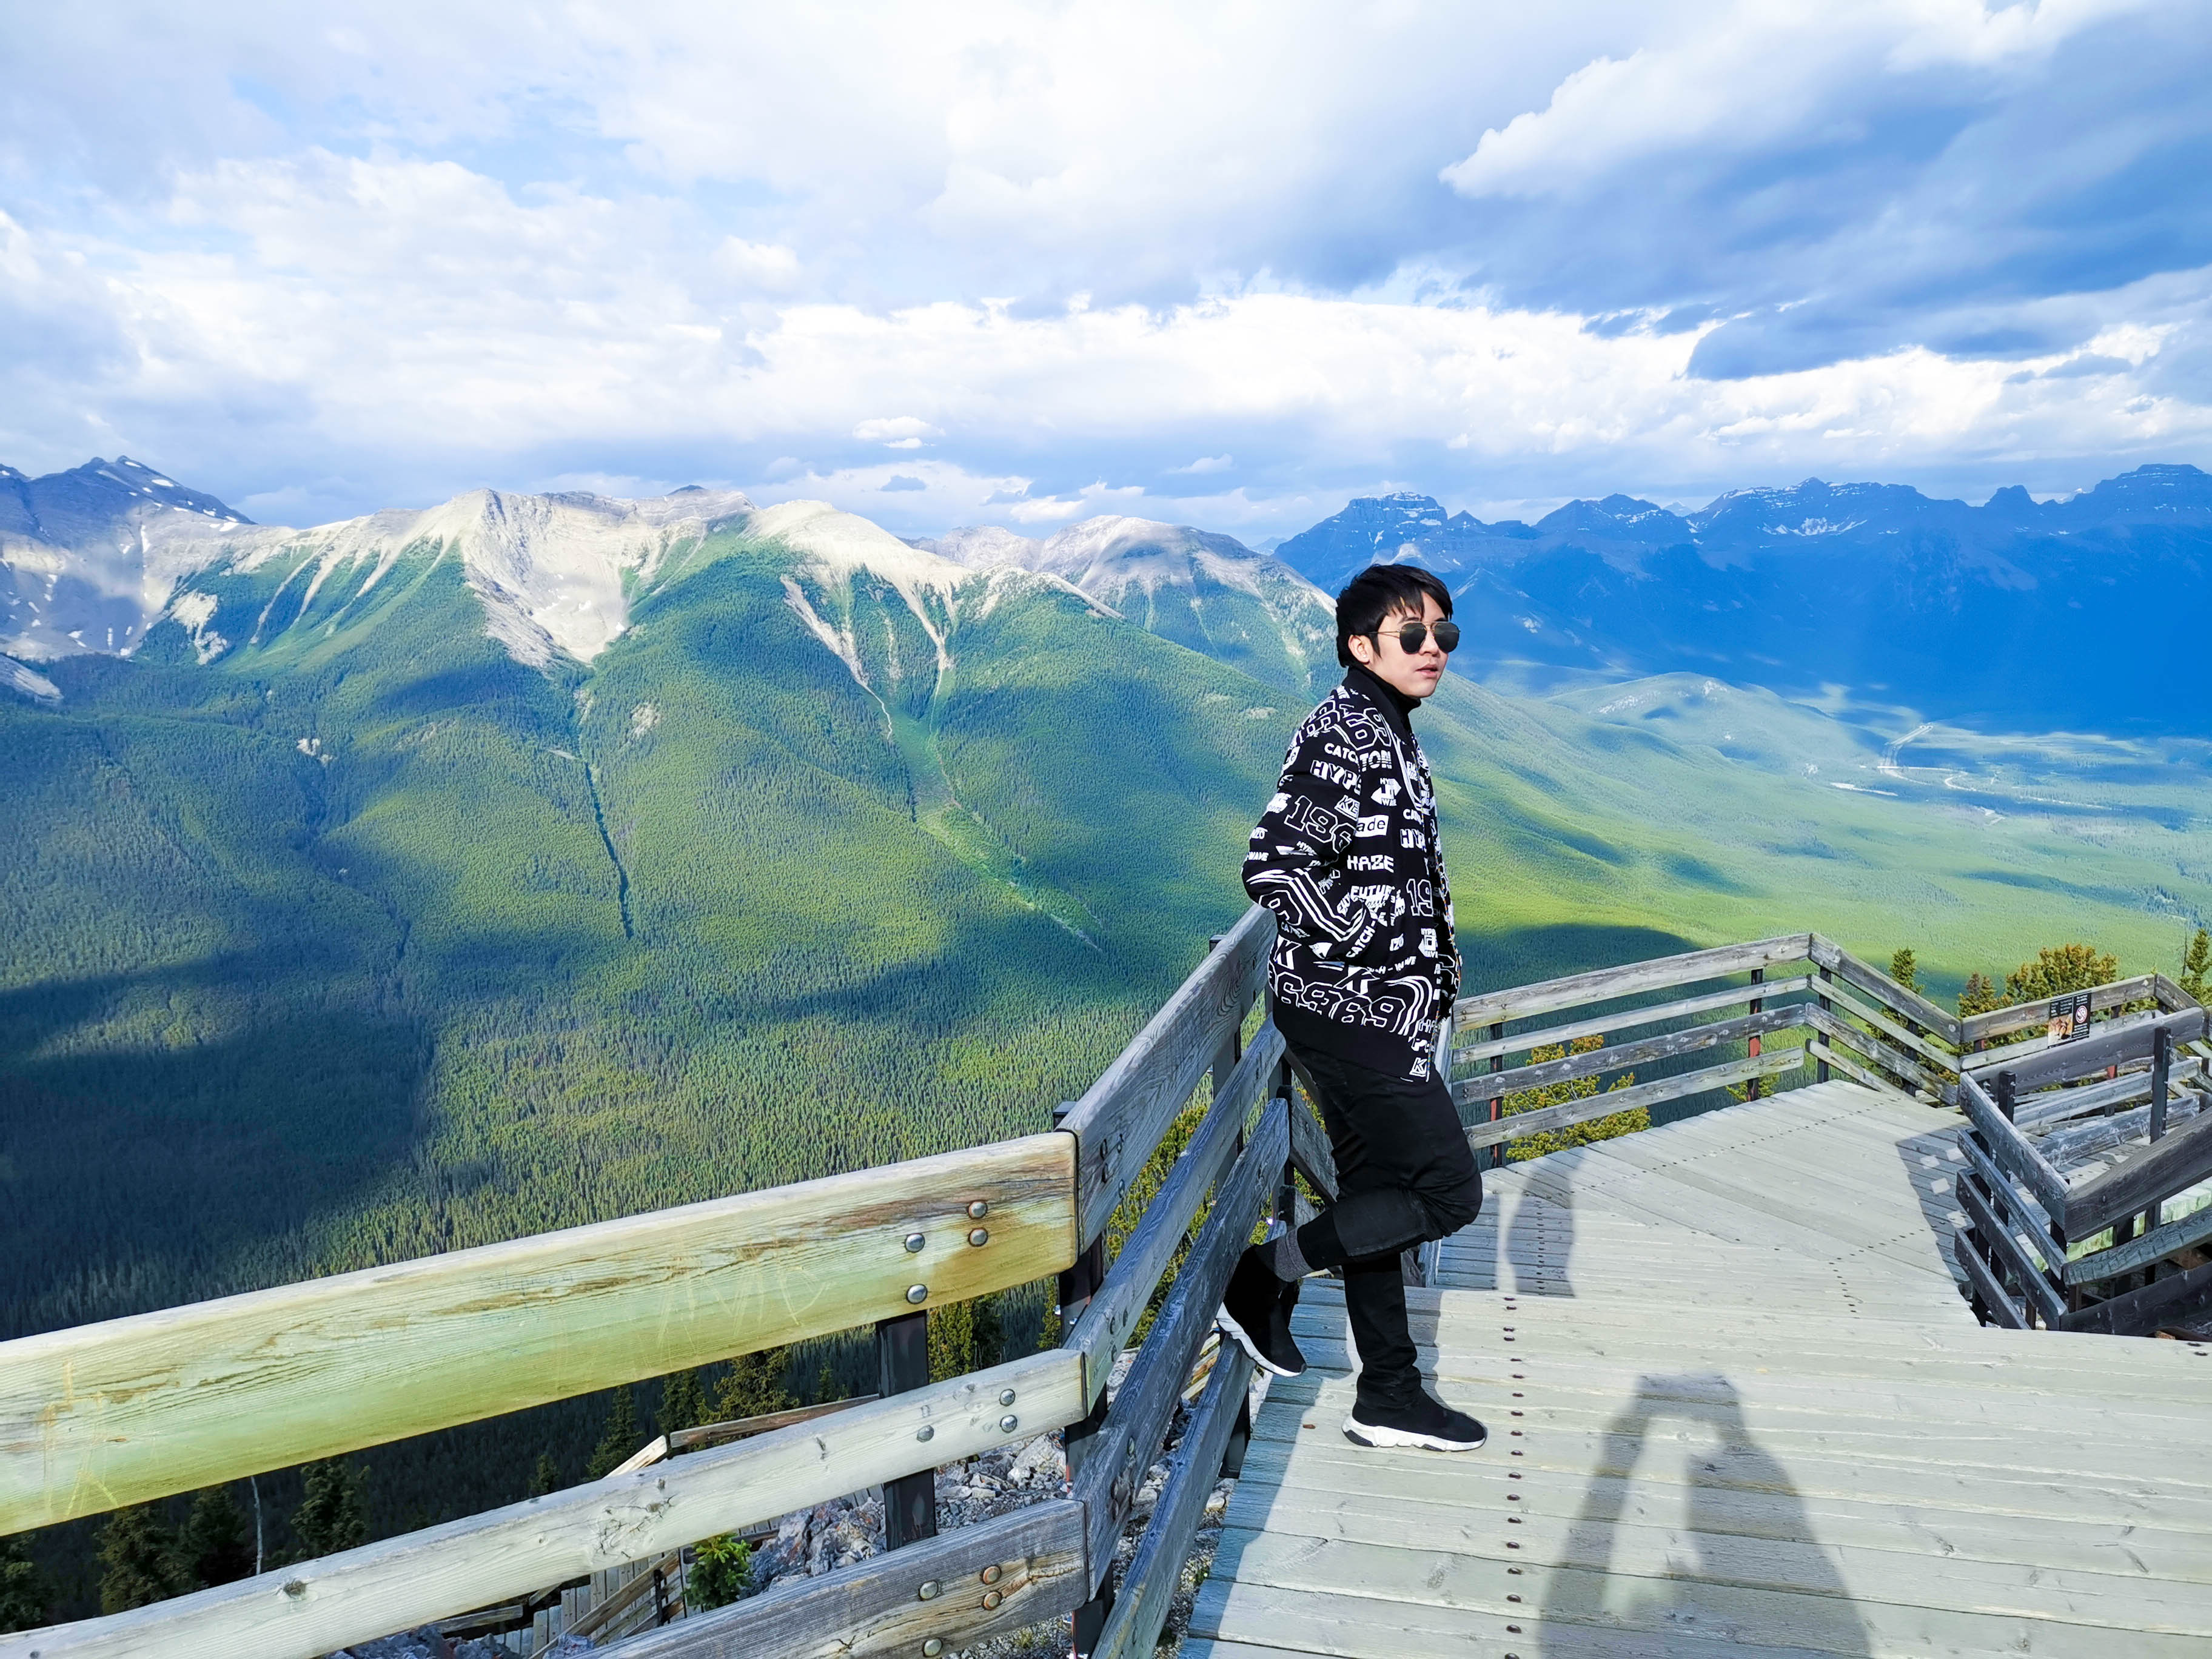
1395, 704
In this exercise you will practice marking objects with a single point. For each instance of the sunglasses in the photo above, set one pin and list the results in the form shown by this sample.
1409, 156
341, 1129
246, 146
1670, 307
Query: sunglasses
1413, 635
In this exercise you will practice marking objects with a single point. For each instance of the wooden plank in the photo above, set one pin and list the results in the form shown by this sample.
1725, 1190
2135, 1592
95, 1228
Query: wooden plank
2158, 1171
1120, 1301
1122, 1115
2056, 1105
2015, 1153
1136, 1423
1603, 984
1837, 1028
1310, 1151
2068, 1148
1997, 1302
1154, 1572
2035, 1283
1852, 1068
1826, 953
2120, 1041
2003, 1022
2141, 1312
2192, 1230
1669, 1046
311, 1608
1603, 1104
1942, 1058
103, 1415
1977, 1159
738, 1428
1627, 1020
997, 1575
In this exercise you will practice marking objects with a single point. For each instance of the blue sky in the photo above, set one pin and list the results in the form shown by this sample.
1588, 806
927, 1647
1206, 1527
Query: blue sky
1023, 263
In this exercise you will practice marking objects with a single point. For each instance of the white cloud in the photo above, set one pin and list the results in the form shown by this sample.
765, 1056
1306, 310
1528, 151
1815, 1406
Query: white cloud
898, 432
1208, 464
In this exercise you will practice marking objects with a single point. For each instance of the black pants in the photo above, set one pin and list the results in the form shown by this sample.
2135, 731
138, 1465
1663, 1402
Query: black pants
1405, 1174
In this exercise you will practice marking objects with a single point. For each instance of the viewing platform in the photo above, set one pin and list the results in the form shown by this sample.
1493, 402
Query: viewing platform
1763, 1381
1738, 1407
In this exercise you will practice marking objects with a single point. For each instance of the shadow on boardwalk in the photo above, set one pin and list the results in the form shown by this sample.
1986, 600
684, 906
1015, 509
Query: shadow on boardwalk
1671, 1601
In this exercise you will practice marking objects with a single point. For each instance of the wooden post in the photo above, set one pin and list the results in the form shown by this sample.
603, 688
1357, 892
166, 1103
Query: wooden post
902, 1362
2006, 1094
1240, 1439
1080, 1439
1758, 1007
2162, 1070
1282, 1087
1497, 1107
1820, 1067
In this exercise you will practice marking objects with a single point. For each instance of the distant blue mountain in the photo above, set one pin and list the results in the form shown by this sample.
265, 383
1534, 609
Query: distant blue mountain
2087, 613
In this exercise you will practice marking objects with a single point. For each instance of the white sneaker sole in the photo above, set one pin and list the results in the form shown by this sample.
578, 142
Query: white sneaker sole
1235, 1331
1376, 1436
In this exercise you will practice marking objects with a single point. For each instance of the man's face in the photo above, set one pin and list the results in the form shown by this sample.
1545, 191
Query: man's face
1413, 673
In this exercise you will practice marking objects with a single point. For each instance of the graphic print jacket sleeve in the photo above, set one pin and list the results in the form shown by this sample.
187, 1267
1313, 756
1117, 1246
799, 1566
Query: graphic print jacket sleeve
1298, 864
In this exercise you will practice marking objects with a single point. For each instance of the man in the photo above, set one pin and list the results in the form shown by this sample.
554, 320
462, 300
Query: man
1363, 971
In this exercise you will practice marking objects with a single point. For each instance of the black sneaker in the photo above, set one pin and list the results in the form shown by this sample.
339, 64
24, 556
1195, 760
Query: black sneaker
1420, 1422
1255, 1310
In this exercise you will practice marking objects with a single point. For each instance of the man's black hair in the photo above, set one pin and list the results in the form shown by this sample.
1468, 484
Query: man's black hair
1375, 593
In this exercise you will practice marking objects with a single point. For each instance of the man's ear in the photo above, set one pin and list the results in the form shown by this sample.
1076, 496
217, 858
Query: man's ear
1363, 649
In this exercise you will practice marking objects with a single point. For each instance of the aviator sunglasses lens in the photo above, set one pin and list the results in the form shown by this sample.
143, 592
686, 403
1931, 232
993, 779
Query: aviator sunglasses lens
1413, 635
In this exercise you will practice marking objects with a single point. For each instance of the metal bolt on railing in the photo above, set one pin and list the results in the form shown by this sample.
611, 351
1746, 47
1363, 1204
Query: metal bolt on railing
978, 1210
991, 1574
917, 1293
925, 1432
913, 1243
1006, 1396
979, 1238
1009, 1423
930, 1589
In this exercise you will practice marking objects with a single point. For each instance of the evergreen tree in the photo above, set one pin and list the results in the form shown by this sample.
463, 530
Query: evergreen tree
331, 1515
825, 1384
619, 1442
1905, 968
1979, 996
2057, 969
139, 1561
754, 1387
683, 1402
25, 1595
544, 1478
2195, 962
217, 1544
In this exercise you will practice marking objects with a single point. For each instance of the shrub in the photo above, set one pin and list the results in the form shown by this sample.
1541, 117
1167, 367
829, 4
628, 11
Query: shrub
721, 1572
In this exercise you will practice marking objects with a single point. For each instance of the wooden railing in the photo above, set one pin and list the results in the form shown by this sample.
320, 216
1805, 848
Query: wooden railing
1855, 1019
106, 1415
2040, 1113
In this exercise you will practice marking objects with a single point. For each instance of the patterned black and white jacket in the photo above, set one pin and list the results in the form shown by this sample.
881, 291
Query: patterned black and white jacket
1347, 858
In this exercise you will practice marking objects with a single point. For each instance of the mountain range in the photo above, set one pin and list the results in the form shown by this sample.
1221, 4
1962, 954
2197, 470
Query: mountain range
2084, 614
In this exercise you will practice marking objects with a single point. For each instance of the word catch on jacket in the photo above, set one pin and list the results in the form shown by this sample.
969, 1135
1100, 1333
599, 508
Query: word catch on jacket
1347, 858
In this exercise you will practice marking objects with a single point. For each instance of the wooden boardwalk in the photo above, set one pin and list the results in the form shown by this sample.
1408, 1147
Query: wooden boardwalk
1739, 1408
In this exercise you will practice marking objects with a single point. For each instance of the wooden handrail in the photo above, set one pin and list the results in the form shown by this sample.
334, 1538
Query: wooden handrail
1490, 1086
2115, 1043
1625, 1020
2021, 1017
103, 1415
1120, 1301
1603, 984
415, 1579
1122, 1115
1826, 953
1604, 1102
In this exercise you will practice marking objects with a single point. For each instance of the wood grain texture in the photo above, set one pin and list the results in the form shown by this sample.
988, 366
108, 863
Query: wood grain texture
1944, 1060
2122, 1040
1310, 1151
2030, 1272
1872, 1049
1628, 1020
1120, 1302
299, 1612
2014, 1154
103, 1415
1524, 1124
1136, 1423
1826, 953
2003, 1022
876, 1607
2157, 1172
1667, 1046
1603, 984
2139, 1312
1122, 1115
2192, 1230
1850, 1067
1155, 1569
